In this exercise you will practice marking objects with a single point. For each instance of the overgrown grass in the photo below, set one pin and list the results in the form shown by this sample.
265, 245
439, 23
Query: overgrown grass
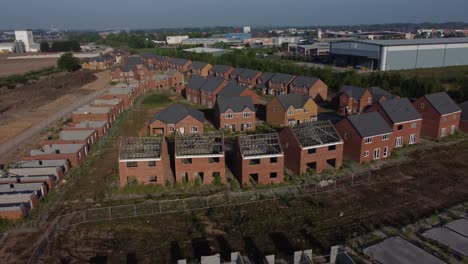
12, 80
157, 100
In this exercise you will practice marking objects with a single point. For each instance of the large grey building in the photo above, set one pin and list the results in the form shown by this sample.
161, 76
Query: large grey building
401, 54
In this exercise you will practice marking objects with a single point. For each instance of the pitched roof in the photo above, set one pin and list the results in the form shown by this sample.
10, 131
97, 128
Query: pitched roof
464, 108
400, 110
378, 93
196, 82
295, 100
369, 124
304, 81
282, 78
353, 91
236, 104
125, 68
148, 55
212, 84
232, 90
236, 72
176, 112
221, 68
266, 76
198, 65
134, 60
178, 61
442, 103
248, 73
311, 134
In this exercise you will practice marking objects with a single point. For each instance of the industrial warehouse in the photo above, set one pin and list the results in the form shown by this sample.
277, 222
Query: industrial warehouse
400, 54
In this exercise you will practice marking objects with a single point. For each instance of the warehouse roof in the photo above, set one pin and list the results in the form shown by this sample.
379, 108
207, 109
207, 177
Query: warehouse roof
442, 103
464, 108
196, 82
369, 124
400, 110
295, 100
313, 134
76, 134
282, 78
305, 81
140, 148
232, 90
212, 84
236, 104
353, 91
176, 112
406, 42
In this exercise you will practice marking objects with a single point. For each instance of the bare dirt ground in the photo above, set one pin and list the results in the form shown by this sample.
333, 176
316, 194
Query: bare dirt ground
427, 181
21, 66
32, 104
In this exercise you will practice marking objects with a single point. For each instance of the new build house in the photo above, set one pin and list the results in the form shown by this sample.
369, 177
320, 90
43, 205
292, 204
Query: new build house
291, 109
75, 153
124, 73
366, 137
210, 89
93, 113
258, 159
312, 146
87, 137
235, 73
235, 90
199, 157
379, 94
200, 68
223, 71
181, 65
249, 78
144, 161
192, 88
177, 118
441, 115
263, 81
127, 94
235, 114
279, 83
311, 86
404, 119
353, 100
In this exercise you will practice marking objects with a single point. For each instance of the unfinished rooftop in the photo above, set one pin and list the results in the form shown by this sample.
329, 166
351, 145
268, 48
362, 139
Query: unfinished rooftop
260, 145
314, 134
208, 144
140, 148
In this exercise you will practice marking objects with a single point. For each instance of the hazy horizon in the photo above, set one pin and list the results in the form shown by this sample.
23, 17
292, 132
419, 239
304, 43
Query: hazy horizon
150, 14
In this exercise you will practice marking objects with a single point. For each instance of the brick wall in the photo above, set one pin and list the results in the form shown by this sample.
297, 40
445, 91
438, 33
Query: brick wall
203, 165
433, 123
185, 125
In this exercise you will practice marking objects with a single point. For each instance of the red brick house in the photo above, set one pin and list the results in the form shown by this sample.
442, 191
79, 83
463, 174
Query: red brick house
181, 65
464, 117
379, 94
75, 153
235, 90
91, 113
291, 109
127, 94
404, 119
100, 127
161, 62
353, 100
210, 89
87, 137
366, 137
145, 72
177, 118
144, 161
170, 78
258, 159
124, 73
199, 157
249, 78
235, 73
235, 114
311, 86
200, 68
279, 83
17, 205
441, 115
223, 71
311, 146
192, 88
149, 59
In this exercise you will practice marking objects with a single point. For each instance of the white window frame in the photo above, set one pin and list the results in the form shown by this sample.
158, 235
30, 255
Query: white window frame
246, 114
298, 111
249, 125
452, 129
385, 151
386, 137
368, 140
412, 139
376, 154
291, 123
306, 110
366, 153
226, 127
443, 132
194, 129
422, 106
172, 129
398, 142
290, 112
229, 116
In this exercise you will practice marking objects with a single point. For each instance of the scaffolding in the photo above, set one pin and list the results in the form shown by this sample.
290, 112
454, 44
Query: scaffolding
199, 145
316, 133
259, 145
140, 148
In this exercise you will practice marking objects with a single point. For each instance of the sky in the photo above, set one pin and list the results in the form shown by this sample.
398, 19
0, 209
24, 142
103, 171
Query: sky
144, 14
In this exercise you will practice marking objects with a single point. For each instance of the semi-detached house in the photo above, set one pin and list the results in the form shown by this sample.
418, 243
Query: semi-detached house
235, 114
311, 86
291, 109
210, 89
177, 118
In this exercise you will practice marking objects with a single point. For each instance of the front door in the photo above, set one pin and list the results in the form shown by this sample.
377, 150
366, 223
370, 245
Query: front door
233, 128
452, 130
376, 154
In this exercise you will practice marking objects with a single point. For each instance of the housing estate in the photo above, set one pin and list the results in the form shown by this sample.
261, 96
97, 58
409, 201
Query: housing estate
177, 118
278, 84
235, 113
353, 100
75, 153
235, 90
311, 86
223, 71
291, 109
200, 68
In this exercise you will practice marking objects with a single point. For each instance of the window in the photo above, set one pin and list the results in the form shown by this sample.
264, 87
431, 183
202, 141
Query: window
249, 125
422, 105
171, 129
194, 129
226, 127
273, 160
305, 120
386, 137
368, 100
290, 112
254, 162
346, 135
213, 160
412, 139
151, 163
330, 148
291, 123
443, 132
311, 151
298, 111
187, 161
385, 151
368, 140
355, 101
246, 114
400, 127
399, 142
229, 116
444, 119
376, 154
273, 175
366, 153
132, 164
413, 125
153, 179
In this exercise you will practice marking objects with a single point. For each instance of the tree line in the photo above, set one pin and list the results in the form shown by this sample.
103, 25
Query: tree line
60, 46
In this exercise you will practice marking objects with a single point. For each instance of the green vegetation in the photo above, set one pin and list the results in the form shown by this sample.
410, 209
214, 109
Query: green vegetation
45, 47
12, 80
65, 46
68, 62
156, 100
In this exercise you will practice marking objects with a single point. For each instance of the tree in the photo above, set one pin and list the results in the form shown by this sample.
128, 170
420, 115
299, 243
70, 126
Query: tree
68, 62
45, 46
